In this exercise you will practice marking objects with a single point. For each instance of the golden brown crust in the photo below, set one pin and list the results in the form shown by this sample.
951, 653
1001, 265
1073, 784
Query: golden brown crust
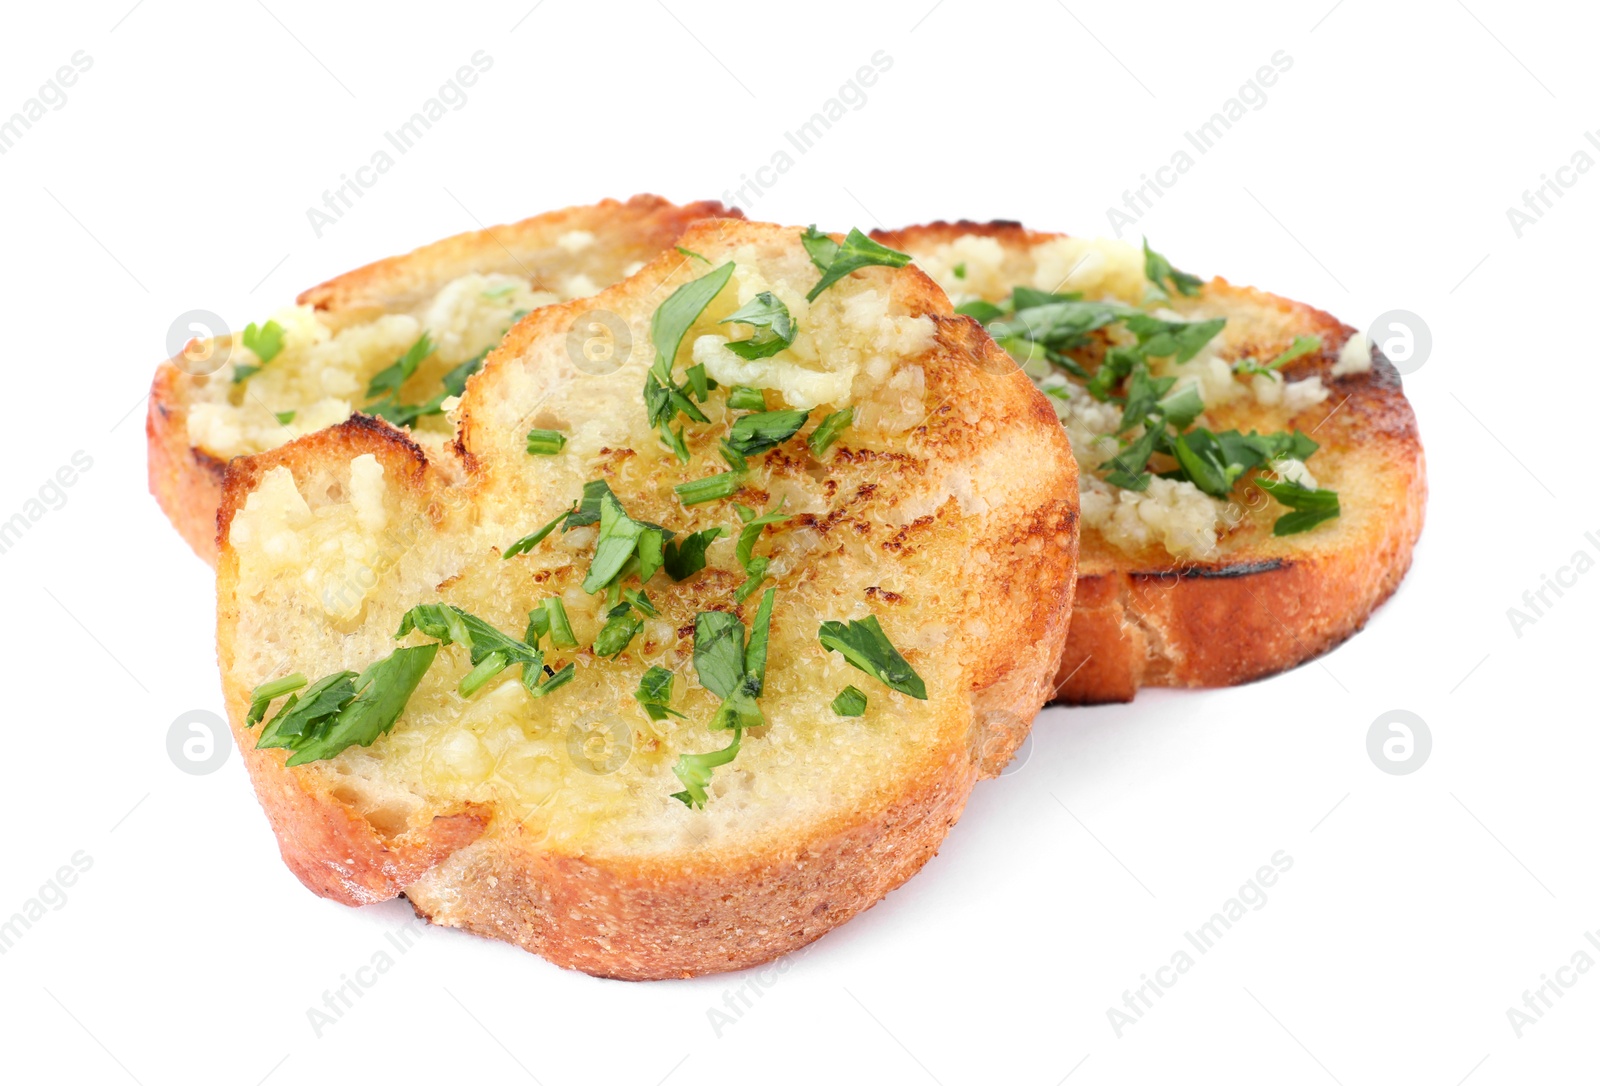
1151, 620
687, 913
187, 482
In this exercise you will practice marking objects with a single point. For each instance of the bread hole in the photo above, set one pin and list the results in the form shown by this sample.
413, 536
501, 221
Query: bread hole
335, 492
387, 820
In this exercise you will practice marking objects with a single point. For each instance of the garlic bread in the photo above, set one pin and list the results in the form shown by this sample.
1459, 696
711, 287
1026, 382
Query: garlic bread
1252, 478
681, 663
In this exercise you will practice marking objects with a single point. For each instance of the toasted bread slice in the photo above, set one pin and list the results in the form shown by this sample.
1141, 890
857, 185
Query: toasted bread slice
1176, 588
555, 822
464, 292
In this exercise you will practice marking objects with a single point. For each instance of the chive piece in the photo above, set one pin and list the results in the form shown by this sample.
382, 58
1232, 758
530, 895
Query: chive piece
561, 635
486, 669
829, 429
621, 627
745, 398
528, 542
284, 417
263, 695
560, 678
545, 442
850, 702
710, 489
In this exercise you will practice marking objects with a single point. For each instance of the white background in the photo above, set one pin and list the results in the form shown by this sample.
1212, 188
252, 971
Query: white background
1377, 176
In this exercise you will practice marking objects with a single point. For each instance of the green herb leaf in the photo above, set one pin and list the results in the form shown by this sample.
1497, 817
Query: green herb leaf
850, 702
774, 327
664, 397
857, 252
981, 311
284, 417
711, 488
755, 654
866, 647
345, 710
621, 627
265, 342
528, 542
719, 658
829, 429
694, 770
450, 625
754, 434
1311, 506
387, 381
1160, 271
684, 560
545, 442
745, 398
692, 255
556, 679
619, 538
655, 694
262, 696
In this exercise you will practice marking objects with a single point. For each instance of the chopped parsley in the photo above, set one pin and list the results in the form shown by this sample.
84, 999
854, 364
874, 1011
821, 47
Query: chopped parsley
385, 384
866, 647
1311, 506
488, 649
683, 560
1159, 270
774, 329
763, 431
850, 702
836, 260
655, 694
755, 568
665, 399
1302, 346
345, 709
735, 671
284, 417
265, 342
1157, 416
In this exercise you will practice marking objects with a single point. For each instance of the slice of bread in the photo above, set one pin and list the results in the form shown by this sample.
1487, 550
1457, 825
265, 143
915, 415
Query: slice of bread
1176, 588
464, 292
556, 822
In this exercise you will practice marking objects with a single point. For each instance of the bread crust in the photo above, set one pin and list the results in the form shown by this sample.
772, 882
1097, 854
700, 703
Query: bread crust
187, 482
685, 914
1256, 610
